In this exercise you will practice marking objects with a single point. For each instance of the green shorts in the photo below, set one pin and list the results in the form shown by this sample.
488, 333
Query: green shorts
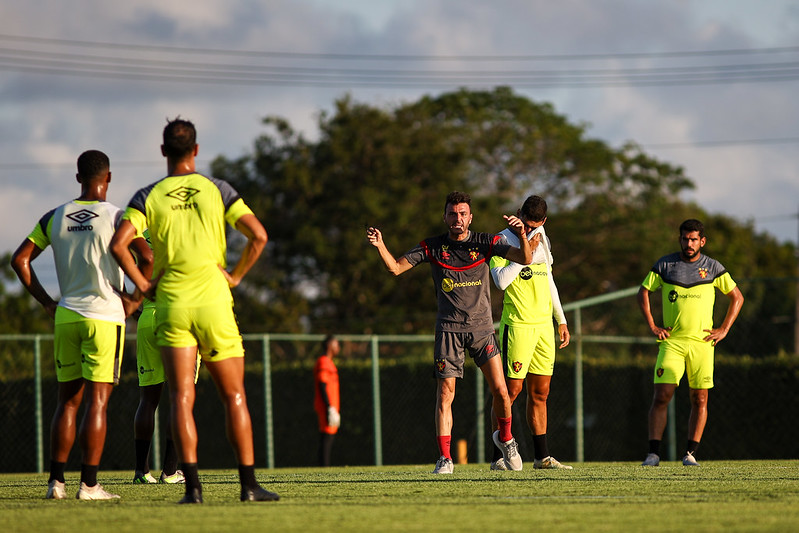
527, 350
682, 356
213, 329
87, 348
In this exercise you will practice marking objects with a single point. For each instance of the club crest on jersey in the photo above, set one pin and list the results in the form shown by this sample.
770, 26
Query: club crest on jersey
473, 254
445, 252
703, 273
440, 365
82, 217
517, 366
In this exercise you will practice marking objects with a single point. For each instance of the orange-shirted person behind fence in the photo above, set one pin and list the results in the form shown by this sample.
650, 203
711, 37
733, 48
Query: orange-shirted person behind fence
326, 397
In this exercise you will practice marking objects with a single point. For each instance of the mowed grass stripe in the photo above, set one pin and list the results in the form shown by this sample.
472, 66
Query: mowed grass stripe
719, 495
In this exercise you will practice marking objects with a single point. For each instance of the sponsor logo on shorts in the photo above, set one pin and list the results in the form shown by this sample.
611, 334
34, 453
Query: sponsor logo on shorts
59, 364
184, 194
448, 285
82, 217
440, 365
490, 349
659, 372
517, 366
143, 370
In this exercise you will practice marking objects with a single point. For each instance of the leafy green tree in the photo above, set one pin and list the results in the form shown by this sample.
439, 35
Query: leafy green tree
393, 168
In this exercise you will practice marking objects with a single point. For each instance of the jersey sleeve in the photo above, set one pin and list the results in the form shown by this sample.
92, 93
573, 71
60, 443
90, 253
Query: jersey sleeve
40, 236
652, 282
137, 218
503, 272
416, 255
237, 210
724, 283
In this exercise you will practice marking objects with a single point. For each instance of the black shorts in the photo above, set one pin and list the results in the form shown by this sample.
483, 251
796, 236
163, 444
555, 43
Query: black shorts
450, 348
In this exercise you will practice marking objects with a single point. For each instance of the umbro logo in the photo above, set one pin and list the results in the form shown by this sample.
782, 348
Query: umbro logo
183, 194
82, 216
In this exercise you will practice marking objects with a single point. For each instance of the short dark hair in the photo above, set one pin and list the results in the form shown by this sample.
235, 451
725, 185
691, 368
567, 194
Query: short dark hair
327, 341
692, 225
534, 209
93, 164
456, 197
180, 138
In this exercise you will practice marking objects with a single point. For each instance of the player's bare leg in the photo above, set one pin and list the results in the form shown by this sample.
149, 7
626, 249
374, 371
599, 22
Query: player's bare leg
503, 438
228, 375
658, 411
63, 426
698, 416
696, 424
179, 364
62, 434
444, 397
658, 415
536, 411
143, 428
93, 426
537, 394
179, 367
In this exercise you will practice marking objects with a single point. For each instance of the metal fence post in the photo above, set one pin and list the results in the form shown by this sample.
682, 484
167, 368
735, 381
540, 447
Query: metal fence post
480, 408
579, 427
267, 377
37, 385
376, 401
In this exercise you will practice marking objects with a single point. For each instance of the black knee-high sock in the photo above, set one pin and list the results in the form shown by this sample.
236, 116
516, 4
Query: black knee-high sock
540, 448
325, 448
192, 476
247, 476
654, 446
57, 471
170, 465
88, 474
142, 452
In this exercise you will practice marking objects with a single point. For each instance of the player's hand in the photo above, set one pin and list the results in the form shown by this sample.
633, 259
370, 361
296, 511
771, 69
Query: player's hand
149, 290
535, 241
715, 335
565, 337
374, 236
130, 302
661, 333
517, 225
231, 282
50, 308
333, 417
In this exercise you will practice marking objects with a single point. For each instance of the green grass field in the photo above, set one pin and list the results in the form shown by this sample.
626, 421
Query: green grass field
718, 496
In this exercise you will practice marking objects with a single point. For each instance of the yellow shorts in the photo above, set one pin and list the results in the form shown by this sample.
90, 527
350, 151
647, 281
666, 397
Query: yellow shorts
527, 350
213, 329
149, 364
87, 348
691, 357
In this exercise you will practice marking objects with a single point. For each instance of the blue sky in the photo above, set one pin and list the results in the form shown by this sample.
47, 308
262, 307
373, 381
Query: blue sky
737, 140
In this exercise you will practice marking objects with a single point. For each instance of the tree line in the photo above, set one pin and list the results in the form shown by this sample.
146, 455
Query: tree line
612, 213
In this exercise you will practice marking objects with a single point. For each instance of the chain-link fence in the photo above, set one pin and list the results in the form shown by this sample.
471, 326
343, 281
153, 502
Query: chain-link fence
598, 404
